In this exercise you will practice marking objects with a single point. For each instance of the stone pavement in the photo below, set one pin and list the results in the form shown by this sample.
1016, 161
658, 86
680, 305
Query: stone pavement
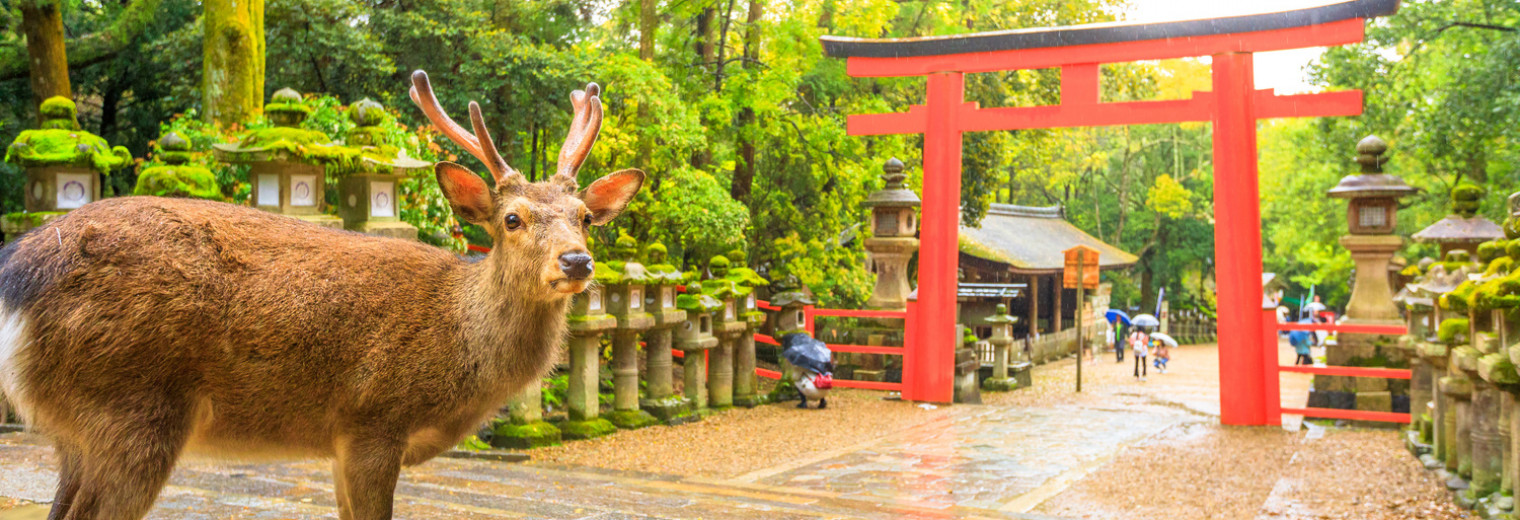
987, 461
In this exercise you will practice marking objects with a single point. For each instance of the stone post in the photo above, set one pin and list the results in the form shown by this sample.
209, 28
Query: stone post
1435, 356
892, 244
1493, 369
695, 338
588, 319
1459, 385
1002, 343
660, 301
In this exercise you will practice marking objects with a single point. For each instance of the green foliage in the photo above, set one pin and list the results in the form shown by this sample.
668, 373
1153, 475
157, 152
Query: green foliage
1452, 331
692, 214
59, 147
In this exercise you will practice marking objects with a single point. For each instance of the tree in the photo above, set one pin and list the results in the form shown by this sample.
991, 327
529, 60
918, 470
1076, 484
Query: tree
50, 54
42, 20
232, 82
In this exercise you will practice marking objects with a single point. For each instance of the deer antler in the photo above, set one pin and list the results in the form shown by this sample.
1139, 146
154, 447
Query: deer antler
479, 144
584, 127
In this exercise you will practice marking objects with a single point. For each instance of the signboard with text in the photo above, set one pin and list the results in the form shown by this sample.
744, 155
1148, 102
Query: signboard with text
1087, 257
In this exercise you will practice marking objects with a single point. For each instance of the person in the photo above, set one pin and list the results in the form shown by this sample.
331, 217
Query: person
1138, 340
1301, 340
1118, 346
1162, 354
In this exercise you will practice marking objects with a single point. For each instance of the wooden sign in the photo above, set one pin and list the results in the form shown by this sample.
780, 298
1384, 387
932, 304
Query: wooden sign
1087, 257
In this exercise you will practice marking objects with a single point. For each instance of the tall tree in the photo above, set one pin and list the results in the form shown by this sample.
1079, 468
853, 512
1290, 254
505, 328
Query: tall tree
232, 82
744, 169
648, 24
42, 21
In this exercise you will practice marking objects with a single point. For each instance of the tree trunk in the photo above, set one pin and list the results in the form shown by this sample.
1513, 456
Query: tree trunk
233, 71
648, 24
42, 22
744, 171
707, 47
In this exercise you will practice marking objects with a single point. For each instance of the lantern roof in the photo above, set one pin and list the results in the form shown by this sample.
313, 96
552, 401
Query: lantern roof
896, 193
1371, 182
1000, 316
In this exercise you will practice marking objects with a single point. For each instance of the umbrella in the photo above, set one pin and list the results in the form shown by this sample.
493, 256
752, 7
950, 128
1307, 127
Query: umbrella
1313, 307
1145, 320
1114, 315
1162, 337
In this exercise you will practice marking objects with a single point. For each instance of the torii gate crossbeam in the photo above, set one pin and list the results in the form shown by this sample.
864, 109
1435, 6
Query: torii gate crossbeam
1248, 369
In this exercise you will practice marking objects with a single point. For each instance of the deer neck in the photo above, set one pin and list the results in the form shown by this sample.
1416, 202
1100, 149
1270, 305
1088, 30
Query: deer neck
510, 334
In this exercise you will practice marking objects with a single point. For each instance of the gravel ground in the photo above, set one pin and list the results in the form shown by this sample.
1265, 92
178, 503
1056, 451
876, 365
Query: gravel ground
738, 441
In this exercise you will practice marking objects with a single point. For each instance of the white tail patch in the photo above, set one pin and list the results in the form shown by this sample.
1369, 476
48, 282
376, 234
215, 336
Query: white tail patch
13, 341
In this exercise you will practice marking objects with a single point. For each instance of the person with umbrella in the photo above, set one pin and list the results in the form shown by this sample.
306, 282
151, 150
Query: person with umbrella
1301, 340
1139, 342
1116, 318
1164, 345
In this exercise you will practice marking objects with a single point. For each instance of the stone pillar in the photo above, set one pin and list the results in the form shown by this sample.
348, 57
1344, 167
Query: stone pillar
1056, 309
587, 322
1034, 305
660, 301
720, 366
1460, 386
1487, 452
746, 393
1002, 343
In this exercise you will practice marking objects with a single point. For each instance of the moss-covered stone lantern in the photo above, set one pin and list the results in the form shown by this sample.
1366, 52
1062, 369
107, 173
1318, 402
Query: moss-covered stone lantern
695, 338
792, 299
728, 325
1463, 229
660, 303
175, 175
368, 194
287, 164
746, 383
588, 320
623, 280
1002, 343
65, 167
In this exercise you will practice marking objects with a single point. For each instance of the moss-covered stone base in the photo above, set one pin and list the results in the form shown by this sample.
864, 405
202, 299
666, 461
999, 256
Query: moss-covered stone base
1023, 372
750, 401
667, 410
400, 230
631, 419
526, 436
993, 384
327, 221
588, 429
785, 391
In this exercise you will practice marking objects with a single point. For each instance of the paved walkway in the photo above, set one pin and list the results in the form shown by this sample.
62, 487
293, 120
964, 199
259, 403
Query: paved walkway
991, 461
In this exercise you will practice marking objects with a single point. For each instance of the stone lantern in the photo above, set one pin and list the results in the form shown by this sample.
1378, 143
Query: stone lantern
792, 298
1463, 229
287, 164
588, 319
1373, 201
728, 325
746, 384
176, 176
65, 167
695, 338
1002, 343
623, 280
894, 226
660, 303
368, 198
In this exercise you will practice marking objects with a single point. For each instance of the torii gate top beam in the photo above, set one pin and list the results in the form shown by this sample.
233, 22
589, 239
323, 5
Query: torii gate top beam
1334, 24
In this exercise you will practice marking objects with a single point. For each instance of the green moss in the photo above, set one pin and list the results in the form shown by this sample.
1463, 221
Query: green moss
282, 137
526, 436
28, 220
631, 419
37, 148
1459, 299
1413, 270
59, 113
1490, 250
588, 429
183, 181
297, 108
971, 247
472, 443
1452, 331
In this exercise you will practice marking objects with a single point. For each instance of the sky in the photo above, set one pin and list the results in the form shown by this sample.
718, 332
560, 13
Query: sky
1281, 70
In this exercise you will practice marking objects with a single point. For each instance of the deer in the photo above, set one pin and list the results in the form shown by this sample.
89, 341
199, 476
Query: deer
137, 330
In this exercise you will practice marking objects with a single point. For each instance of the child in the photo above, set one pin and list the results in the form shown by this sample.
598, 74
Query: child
1138, 342
1162, 354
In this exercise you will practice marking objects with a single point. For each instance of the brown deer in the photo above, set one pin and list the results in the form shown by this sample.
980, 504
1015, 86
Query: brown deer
134, 330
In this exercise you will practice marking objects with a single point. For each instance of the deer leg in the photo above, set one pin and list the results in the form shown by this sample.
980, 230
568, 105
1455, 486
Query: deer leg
68, 481
340, 488
128, 466
368, 469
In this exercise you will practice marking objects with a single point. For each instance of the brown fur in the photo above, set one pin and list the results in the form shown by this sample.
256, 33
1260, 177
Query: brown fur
161, 326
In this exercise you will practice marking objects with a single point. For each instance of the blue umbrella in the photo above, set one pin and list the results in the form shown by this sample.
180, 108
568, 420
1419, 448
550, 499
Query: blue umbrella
1114, 315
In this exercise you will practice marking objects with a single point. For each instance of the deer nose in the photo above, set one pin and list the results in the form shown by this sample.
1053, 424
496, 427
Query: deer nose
576, 265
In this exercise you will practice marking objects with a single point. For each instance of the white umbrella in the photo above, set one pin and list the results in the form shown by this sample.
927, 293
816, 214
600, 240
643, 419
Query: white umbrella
1161, 336
1145, 320
1314, 307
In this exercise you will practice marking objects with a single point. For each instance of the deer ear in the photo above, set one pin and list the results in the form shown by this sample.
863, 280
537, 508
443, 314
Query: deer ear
467, 192
607, 196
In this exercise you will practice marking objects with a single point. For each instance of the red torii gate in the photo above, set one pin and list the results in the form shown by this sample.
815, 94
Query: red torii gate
1249, 393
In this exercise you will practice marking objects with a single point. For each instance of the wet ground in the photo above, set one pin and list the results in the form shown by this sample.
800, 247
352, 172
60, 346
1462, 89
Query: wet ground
1121, 449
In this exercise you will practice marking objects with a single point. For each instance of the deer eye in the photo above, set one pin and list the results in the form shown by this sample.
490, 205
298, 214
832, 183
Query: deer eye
586, 220
514, 221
